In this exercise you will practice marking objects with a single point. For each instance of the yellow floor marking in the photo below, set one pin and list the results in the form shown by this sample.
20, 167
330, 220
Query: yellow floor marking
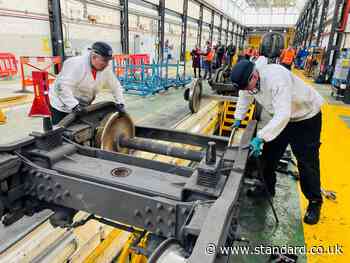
334, 226
11, 101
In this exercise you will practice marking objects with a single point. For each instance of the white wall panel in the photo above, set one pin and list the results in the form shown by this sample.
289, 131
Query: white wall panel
193, 9
206, 15
176, 5
142, 9
191, 36
224, 24
216, 20
24, 37
36, 6
205, 36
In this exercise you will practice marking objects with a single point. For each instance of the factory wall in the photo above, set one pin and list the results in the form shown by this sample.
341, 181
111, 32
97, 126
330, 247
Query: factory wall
205, 35
84, 24
25, 27
24, 37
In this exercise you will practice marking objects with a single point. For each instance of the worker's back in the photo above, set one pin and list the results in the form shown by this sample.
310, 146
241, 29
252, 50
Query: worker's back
275, 79
77, 81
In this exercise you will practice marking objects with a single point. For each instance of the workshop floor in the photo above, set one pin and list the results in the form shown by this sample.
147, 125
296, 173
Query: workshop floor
256, 219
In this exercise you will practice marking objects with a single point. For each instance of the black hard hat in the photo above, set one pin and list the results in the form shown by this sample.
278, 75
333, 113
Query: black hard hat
241, 72
102, 49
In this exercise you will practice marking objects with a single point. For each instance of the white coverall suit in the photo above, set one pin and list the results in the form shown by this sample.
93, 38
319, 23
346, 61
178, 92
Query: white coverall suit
75, 85
297, 119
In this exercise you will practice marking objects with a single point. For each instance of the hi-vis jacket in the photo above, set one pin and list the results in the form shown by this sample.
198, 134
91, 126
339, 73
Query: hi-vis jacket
283, 95
287, 56
75, 84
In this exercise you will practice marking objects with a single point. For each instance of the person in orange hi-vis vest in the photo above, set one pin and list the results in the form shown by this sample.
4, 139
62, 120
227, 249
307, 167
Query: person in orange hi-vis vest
287, 57
208, 56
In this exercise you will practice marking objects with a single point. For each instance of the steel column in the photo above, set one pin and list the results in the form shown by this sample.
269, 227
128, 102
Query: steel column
302, 28
321, 25
244, 35
227, 28
55, 18
124, 25
161, 22
236, 34
306, 28
220, 28
301, 35
242, 38
211, 27
316, 9
184, 30
331, 48
200, 27
309, 23
232, 31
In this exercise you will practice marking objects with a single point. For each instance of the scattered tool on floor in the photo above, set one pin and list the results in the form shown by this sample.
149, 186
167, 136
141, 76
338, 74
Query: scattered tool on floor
331, 195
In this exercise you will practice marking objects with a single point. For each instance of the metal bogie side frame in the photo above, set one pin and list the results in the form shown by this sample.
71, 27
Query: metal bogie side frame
225, 207
58, 192
63, 177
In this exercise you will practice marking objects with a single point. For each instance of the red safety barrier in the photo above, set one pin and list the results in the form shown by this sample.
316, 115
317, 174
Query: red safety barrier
133, 59
138, 59
8, 65
119, 60
45, 64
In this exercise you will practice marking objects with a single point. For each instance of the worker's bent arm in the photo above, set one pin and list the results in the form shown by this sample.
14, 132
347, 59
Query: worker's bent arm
115, 86
243, 103
65, 83
282, 105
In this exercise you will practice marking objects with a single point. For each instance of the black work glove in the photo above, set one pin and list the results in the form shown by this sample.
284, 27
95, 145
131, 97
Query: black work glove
120, 108
79, 110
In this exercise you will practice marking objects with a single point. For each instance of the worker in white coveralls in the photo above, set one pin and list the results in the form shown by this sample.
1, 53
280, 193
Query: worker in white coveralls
79, 81
296, 120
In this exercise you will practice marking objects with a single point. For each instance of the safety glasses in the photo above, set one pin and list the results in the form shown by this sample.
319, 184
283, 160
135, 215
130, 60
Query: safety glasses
253, 90
104, 59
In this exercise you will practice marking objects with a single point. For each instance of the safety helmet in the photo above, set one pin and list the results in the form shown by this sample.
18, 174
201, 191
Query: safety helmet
102, 49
